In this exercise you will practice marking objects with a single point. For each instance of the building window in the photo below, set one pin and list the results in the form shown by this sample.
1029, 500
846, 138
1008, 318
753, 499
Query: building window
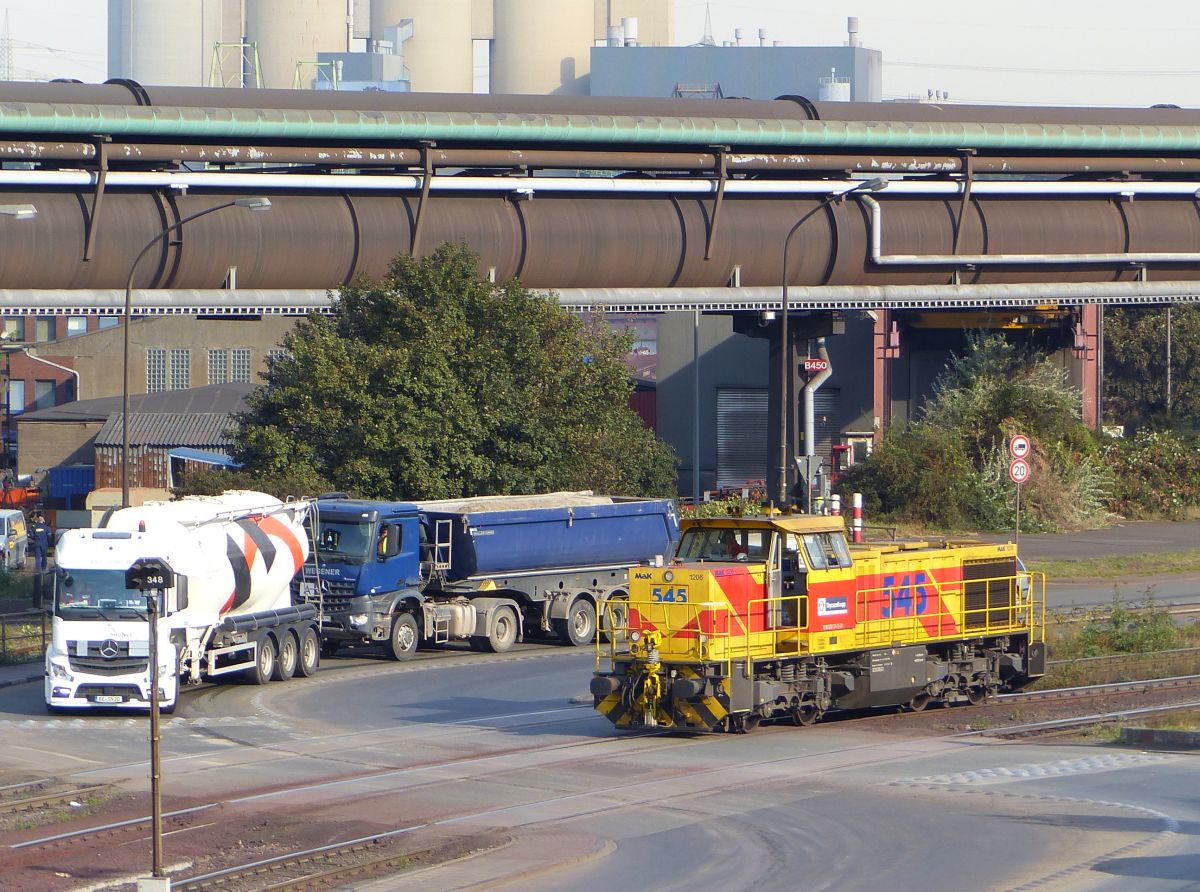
241, 365
156, 370
16, 397
218, 366
43, 394
14, 328
107, 322
76, 325
43, 328
273, 356
181, 368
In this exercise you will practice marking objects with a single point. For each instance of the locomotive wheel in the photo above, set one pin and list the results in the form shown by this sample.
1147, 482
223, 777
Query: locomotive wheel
288, 657
402, 643
917, 703
579, 628
806, 714
504, 631
264, 664
309, 654
976, 695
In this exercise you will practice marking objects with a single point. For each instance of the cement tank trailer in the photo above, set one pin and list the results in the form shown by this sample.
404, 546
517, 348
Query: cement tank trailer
229, 612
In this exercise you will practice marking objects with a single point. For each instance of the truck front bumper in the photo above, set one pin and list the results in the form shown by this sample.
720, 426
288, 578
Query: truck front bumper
122, 692
361, 621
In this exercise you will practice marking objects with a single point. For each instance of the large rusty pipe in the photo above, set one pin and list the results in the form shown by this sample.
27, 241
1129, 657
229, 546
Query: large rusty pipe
126, 93
504, 159
314, 240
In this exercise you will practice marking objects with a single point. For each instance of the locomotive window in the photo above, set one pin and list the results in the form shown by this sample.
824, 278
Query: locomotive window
826, 550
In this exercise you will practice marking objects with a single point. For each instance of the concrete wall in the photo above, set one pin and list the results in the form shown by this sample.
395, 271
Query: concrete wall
751, 72
97, 355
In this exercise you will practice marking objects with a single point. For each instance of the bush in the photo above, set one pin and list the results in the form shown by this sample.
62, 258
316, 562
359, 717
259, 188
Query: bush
1124, 629
949, 468
1157, 474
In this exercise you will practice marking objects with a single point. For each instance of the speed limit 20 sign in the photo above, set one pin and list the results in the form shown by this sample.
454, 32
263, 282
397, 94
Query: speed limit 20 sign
1018, 446
1019, 470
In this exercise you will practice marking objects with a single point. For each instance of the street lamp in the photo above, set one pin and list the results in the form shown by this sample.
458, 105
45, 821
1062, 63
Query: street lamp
785, 363
255, 204
17, 212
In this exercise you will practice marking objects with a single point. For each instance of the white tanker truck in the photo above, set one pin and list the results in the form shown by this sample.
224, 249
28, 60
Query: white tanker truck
229, 610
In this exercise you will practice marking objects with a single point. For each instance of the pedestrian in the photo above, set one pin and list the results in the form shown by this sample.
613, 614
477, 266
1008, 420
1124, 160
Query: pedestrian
39, 532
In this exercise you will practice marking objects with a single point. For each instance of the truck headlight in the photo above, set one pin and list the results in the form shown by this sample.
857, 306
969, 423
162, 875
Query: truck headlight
359, 619
59, 671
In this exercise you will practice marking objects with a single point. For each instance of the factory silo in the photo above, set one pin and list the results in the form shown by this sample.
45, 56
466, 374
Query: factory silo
438, 55
291, 31
171, 44
542, 46
656, 19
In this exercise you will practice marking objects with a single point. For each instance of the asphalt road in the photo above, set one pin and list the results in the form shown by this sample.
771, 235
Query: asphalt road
1126, 537
482, 741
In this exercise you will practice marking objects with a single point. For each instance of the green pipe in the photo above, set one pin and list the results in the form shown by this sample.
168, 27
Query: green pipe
180, 123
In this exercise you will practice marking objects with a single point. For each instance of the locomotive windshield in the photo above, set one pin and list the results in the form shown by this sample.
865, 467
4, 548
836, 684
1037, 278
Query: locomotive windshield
723, 544
345, 539
96, 594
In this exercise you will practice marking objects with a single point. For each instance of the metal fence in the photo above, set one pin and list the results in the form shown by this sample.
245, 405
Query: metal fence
23, 636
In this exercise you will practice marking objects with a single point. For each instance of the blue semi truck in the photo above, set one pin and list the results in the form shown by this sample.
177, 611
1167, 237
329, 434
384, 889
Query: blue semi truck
490, 570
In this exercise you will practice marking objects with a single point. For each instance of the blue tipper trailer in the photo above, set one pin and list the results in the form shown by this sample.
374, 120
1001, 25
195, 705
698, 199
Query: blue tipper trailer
489, 570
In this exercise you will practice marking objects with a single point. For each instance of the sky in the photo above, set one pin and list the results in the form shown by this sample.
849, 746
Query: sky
1037, 52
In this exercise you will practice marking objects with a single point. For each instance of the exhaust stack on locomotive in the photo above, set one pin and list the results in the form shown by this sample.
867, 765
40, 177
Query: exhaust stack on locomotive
780, 617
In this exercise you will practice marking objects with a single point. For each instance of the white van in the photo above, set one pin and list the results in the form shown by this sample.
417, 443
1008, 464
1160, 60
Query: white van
14, 538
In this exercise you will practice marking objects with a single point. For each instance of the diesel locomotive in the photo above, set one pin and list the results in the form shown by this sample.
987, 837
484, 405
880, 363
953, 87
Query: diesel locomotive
780, 617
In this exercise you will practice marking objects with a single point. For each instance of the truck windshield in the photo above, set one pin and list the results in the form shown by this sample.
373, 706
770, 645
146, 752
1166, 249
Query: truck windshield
344, 539
96, 594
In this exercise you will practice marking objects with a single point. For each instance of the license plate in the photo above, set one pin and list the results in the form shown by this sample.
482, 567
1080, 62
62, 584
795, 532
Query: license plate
327, 619
109, 698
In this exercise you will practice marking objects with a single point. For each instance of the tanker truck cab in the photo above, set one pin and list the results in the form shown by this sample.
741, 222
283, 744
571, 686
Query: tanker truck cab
99, 650
365, 569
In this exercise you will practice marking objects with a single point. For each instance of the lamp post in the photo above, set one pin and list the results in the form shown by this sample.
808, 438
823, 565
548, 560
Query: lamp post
17, 212
254, 204
785, 362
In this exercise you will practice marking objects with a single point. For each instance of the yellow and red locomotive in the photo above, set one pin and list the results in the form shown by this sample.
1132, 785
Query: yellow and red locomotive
780, 617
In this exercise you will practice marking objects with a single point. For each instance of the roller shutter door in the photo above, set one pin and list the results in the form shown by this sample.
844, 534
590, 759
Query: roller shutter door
827, 425
741, 435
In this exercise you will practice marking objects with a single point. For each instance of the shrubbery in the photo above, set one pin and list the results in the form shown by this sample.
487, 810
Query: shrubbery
949, 468
1157, 474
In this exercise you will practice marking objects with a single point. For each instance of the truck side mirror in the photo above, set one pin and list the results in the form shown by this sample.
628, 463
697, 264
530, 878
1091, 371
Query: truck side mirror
393, 541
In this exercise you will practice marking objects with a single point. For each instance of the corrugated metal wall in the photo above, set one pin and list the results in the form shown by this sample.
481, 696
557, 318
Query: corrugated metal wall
741, 435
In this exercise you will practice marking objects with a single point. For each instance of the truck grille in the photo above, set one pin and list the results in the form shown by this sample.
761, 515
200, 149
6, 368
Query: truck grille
338, 595
114, 666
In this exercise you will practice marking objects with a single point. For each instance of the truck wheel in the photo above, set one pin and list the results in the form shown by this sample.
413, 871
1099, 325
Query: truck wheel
309, 654
579, 627
617, 613
329, 647
504, 630
402, 643
289, 655
264, 664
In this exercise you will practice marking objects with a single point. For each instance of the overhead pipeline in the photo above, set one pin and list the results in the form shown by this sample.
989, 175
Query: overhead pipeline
321, 240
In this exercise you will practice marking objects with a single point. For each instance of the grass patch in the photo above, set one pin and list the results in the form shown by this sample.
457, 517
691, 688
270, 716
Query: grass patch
1113, 566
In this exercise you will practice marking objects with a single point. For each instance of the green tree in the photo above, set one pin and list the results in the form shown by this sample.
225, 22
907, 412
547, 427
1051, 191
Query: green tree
1135, 367
950, 467
435, 383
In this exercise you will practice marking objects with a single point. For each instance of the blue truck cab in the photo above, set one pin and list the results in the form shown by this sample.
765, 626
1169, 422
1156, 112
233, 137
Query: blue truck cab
486, 569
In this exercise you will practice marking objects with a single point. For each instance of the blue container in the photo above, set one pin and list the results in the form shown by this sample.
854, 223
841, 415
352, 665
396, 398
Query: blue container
70, 481
500, 542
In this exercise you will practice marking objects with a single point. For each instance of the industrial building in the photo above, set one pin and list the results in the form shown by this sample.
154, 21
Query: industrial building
525, 46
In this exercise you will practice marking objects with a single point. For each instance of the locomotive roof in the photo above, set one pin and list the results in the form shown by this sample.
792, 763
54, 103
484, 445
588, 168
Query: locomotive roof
791, 523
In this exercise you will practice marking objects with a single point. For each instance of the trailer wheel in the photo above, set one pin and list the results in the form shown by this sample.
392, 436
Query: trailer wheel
504, 630
402, 643
617, 612
579, 628
264, 664
309, 655
289, 655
